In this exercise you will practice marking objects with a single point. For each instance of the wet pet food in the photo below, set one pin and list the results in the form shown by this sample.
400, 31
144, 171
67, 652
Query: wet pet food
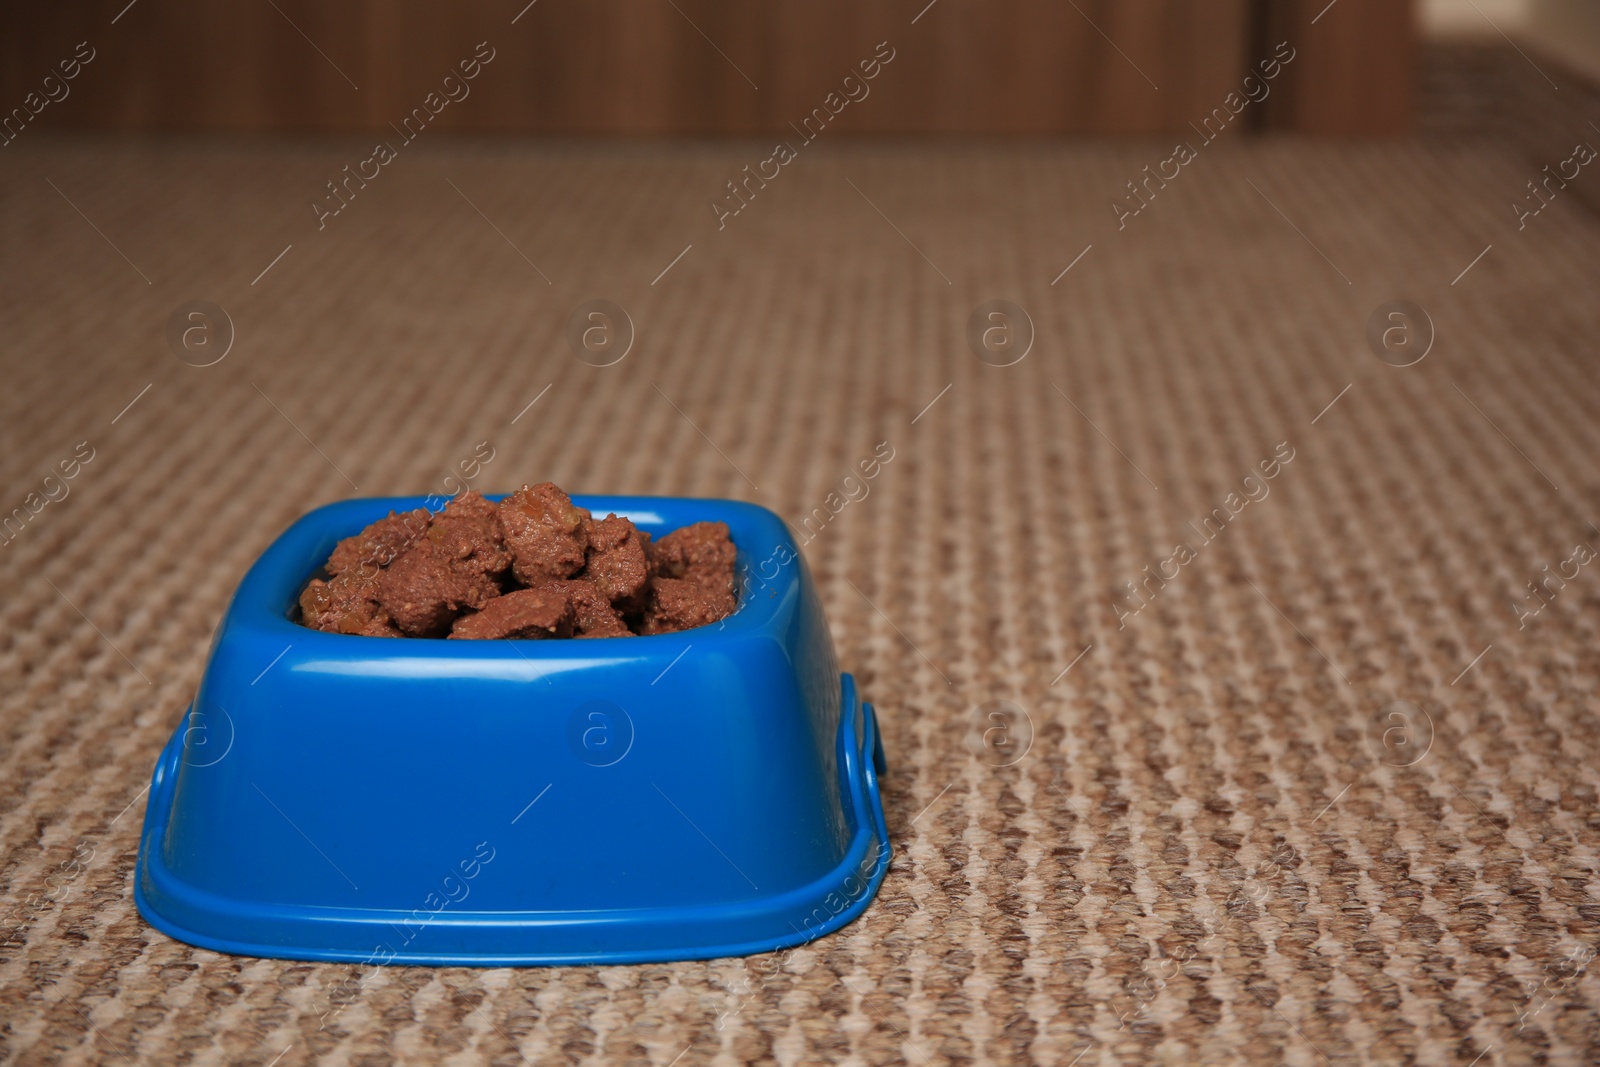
532, 566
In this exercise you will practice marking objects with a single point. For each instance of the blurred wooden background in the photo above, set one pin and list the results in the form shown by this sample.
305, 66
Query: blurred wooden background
710, 67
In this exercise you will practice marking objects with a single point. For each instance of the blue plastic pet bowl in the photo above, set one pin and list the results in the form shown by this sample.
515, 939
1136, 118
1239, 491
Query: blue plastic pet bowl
682, 796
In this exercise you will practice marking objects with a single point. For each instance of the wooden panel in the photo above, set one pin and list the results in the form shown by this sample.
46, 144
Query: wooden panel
1355, 67
680, 67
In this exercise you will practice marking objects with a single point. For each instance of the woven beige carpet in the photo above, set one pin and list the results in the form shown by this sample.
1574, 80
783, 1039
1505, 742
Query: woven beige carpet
1323, 790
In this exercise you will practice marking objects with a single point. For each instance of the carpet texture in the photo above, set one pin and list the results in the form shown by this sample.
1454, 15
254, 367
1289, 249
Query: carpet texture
1308, 771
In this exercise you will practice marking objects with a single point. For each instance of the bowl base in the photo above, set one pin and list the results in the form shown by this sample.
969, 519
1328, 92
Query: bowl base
459, 937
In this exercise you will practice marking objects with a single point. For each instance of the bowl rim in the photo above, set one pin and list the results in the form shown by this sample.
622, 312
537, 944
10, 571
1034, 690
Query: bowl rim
269, 592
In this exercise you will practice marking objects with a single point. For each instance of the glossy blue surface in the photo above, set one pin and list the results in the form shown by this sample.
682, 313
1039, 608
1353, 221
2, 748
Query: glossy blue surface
680, 796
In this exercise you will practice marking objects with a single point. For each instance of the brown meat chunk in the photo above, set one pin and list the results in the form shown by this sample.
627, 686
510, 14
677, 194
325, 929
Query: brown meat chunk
679, 604
419, 574
523, 613
468, 531
593, 615
425, 589
544, 532
346, 605
379, 544
618, 563
702, 553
